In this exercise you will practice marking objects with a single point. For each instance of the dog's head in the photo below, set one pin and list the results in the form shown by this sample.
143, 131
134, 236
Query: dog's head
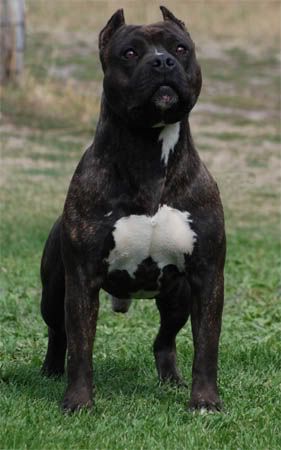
151, 75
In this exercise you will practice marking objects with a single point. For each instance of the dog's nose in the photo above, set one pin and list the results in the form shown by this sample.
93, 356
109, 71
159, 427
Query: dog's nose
163, 62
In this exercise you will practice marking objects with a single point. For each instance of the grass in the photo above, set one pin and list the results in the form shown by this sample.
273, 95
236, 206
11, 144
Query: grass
47, 122
132, 410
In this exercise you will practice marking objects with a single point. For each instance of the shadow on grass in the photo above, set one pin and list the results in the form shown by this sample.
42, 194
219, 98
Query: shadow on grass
133, 380
113, 379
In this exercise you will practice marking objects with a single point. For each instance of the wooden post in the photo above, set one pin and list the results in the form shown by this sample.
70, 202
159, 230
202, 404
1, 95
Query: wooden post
12, 31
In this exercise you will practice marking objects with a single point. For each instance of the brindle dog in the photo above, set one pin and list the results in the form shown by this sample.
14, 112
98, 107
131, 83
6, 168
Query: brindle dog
142, 217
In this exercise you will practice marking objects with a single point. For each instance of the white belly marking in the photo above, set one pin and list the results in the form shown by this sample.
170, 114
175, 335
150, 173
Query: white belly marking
165, 237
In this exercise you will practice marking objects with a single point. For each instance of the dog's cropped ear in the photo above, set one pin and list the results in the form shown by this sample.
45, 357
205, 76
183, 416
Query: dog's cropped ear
115, 22
167, 15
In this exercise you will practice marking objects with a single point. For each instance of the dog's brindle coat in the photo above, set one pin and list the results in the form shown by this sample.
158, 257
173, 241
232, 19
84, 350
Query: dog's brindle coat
142, 217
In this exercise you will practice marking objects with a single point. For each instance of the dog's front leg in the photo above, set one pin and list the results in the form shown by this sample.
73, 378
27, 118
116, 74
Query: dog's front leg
206, 316
81, 312
174, 308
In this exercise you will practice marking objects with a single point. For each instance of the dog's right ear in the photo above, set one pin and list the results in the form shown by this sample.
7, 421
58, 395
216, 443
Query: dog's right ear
115, 22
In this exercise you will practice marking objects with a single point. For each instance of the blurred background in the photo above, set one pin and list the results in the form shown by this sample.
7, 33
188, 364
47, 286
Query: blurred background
49, 112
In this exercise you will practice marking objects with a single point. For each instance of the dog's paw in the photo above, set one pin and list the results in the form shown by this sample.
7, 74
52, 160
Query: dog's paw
174, 379
51, 371
205, 404
167, 368
75, 401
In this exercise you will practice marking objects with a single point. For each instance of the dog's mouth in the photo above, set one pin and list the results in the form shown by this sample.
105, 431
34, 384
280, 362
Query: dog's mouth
165, 97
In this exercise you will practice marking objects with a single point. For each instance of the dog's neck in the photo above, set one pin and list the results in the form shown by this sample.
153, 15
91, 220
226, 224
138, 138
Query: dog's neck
160, 141
138, 165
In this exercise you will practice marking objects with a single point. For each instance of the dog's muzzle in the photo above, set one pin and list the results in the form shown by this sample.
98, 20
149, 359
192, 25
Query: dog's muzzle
164, 98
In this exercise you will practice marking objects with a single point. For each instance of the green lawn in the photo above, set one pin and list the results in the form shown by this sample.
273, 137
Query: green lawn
47, 123
132, 410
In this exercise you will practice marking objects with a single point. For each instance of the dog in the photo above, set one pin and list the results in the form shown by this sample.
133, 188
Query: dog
142, 217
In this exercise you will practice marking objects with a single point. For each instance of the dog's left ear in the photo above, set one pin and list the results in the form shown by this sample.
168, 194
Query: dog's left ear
167, 15
115, 22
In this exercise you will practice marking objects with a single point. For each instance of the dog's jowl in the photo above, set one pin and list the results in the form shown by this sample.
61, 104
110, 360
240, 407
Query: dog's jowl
142, 217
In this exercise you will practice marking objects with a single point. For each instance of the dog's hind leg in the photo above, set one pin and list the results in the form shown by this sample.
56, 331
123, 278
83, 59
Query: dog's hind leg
174, 308
52, 303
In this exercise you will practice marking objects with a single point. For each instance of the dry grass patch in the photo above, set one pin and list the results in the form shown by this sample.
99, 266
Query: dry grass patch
253, 22
50, 104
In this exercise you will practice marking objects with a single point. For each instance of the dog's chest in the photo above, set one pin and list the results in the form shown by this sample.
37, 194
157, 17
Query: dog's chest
165, 238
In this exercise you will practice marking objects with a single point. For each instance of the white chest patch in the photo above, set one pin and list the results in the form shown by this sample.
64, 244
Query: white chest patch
169, 137
165, 237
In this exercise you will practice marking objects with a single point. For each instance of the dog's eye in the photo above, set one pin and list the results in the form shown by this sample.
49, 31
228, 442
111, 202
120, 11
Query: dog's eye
130, 53
181, 50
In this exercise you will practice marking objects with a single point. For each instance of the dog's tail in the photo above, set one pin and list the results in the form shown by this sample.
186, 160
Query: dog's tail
120, 305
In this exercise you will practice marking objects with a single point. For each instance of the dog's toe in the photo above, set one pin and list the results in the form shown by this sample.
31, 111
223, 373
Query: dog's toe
205, 406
